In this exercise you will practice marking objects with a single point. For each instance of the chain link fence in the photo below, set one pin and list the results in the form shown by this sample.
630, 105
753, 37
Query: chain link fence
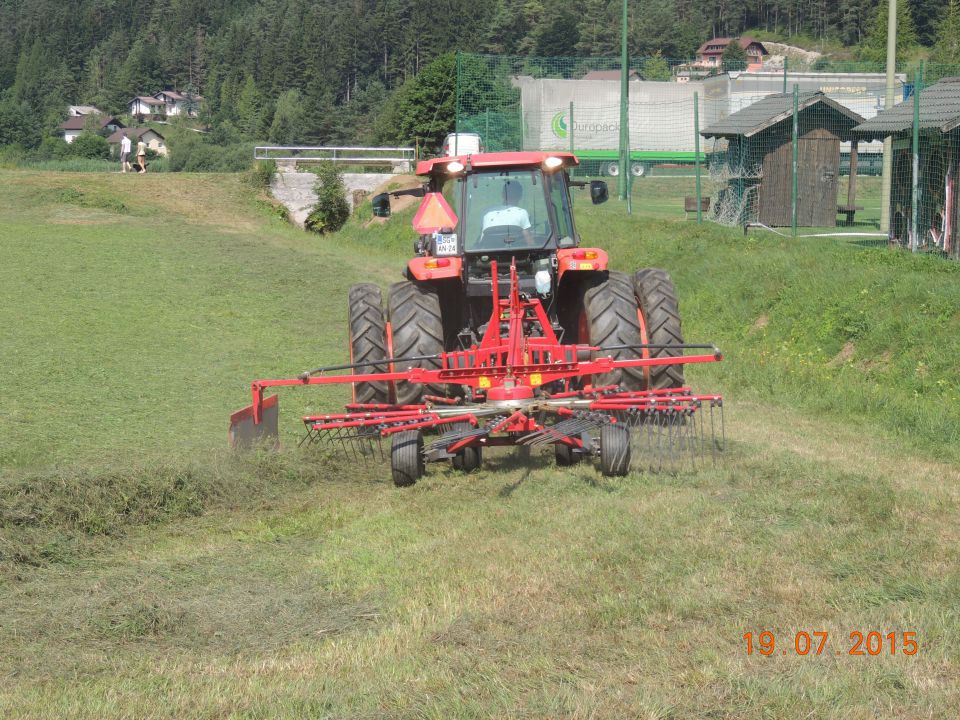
798, 150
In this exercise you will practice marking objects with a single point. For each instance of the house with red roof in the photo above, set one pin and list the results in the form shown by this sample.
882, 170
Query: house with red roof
710, 54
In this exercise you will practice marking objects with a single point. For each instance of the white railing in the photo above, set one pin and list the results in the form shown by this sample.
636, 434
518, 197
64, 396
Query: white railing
392, 156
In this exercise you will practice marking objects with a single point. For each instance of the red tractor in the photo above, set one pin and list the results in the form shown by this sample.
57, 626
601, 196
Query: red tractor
560, 350
509, 207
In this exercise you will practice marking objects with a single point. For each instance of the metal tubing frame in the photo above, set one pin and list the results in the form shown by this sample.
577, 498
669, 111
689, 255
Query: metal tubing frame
515, 363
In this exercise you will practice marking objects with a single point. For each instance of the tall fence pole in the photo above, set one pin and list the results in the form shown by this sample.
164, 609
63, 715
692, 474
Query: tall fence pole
624, 113
696, 151
786, 63
520, 118
887, 104
796, 143
570, 133
915, 185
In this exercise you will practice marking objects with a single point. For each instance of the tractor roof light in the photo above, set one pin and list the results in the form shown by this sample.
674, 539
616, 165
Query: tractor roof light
552, 163
455, 166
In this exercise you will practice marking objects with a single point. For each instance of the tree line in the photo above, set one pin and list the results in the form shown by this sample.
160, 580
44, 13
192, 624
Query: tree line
352, 71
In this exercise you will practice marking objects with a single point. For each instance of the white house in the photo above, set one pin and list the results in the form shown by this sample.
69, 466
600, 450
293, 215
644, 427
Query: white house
151, 138
75, 125
178, 103
146, 105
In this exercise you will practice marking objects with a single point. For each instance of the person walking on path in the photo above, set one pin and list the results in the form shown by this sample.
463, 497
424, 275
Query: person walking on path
125, 153
142, 155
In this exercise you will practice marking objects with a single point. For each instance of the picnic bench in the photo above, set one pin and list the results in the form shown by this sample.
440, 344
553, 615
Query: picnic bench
850, 211
690, 206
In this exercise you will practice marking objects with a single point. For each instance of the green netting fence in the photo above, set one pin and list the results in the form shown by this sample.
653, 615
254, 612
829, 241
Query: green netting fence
791, 148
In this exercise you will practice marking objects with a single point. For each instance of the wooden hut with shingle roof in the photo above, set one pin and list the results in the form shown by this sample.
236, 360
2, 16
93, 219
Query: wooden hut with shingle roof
758, 161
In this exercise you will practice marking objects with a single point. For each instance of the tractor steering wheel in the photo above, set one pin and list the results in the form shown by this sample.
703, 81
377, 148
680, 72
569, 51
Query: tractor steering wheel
499, 236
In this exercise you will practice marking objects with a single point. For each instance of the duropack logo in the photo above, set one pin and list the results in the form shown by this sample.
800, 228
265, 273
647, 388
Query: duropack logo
559, 125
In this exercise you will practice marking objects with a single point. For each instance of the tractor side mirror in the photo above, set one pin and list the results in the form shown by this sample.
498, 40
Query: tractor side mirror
598, 192
381, 205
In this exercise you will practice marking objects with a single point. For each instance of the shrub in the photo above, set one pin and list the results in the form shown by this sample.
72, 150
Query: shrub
190, 152
261, 174
90, 146
331, 211
52, 148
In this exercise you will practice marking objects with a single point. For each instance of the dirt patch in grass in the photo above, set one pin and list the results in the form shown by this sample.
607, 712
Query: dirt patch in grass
844, 356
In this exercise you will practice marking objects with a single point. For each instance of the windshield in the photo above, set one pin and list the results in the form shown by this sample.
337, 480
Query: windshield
506, 210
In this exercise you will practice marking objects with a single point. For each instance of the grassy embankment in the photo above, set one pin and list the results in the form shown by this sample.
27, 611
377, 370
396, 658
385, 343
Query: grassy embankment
135, 314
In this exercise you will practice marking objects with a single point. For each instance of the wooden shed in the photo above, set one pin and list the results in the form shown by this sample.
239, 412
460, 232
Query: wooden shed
755, 172
938, 209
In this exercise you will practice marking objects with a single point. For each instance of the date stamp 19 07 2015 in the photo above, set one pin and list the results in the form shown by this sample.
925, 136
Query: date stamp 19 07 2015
818, 643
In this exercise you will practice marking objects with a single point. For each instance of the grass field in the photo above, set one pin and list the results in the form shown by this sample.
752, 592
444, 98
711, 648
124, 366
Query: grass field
147, 572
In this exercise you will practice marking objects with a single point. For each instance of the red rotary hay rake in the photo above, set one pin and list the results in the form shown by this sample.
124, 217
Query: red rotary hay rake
519, 387
461, 359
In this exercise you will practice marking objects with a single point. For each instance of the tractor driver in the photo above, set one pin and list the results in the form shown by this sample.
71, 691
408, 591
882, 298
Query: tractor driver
510, 213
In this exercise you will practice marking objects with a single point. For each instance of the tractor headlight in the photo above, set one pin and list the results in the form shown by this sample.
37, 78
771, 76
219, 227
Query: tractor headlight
552, 163
543, 282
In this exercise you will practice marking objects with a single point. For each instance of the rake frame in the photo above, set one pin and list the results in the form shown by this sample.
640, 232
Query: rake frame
518, 387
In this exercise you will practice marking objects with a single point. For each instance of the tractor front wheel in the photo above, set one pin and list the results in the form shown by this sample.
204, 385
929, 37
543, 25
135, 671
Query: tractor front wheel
417, 327
368, 341
406, 457
660, 312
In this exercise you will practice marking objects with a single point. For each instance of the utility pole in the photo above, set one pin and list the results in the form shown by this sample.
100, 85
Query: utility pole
624, 114
888, 103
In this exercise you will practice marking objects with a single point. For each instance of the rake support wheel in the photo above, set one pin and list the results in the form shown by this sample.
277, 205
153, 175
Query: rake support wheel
469, 458
614, 450
565, 455
657, 300
368, 341
406, 457
417, 325
610, 315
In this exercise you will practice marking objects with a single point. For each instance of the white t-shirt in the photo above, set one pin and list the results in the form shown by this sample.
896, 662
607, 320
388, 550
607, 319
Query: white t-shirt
506, 215
125, 144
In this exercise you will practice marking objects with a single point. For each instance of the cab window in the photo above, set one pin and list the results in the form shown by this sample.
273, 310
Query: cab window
506, 210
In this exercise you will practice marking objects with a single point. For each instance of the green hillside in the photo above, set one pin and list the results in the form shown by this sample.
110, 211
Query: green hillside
146, 571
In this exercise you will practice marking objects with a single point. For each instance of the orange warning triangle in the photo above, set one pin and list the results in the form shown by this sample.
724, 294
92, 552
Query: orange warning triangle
434, 213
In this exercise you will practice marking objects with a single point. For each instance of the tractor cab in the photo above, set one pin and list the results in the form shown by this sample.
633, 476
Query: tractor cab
501, 207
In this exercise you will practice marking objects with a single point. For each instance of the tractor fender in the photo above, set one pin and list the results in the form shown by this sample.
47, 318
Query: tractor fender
431, 268
579, 259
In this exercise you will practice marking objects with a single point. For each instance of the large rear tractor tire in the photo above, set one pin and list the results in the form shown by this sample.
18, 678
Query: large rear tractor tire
417, 327
660, 310
368, 341
614, 450
609, 318
406, 457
